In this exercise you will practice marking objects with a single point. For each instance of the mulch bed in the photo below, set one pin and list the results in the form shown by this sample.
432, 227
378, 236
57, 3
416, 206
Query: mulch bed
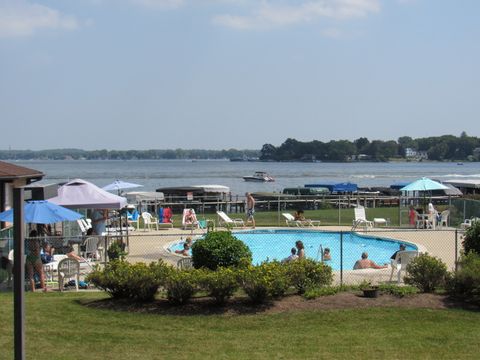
241, 306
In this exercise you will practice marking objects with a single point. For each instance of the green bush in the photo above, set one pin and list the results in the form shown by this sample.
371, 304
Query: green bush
255, 284
427, 273
399, 291
181, 285
123, 280
307, 273
115, 251
220, 249
315, 292
465, 283
471, 241
220, 284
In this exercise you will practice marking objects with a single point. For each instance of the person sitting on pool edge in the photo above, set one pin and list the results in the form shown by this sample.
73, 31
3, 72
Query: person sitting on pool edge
366, 263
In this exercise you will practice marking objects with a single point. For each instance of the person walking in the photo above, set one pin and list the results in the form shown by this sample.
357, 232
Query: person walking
250, 209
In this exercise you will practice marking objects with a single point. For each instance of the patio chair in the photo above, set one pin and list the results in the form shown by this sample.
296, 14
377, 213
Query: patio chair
148, 221
92, 248
361, 218
444, 218
68, 269
229, 222
402, 259
185, 263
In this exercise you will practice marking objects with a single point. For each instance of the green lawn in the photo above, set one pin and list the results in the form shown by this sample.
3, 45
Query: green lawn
327, 216
59, 327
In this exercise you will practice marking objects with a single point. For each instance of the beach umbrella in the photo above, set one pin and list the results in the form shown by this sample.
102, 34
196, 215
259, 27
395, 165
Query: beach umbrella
118, 185
424, 184
42, 212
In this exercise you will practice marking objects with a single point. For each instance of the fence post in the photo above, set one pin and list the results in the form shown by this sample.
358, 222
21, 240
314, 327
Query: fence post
456, 250
341, 257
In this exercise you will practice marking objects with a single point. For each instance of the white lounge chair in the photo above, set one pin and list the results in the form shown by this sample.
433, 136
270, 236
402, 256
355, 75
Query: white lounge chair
290, 220
191, 223
361, 218
468, 222
402, 259
227, 221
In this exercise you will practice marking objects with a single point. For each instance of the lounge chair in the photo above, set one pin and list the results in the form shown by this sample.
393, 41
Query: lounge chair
402, 259
290, 220
468, 222
189, 219
361, 218
228, 222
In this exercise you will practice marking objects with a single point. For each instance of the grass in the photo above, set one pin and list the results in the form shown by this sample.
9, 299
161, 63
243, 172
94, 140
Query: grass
59, 327
327, 216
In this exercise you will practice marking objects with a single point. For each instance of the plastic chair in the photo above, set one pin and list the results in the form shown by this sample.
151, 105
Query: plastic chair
402, 259
149, 220
68, 269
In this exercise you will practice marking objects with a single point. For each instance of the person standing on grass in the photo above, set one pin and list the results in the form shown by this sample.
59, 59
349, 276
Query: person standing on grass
250, 209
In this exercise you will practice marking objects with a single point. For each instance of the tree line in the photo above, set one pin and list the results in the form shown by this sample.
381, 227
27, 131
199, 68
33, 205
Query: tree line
78, 154
439, 148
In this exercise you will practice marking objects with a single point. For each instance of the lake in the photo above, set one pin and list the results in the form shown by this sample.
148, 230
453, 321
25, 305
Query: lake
153, 174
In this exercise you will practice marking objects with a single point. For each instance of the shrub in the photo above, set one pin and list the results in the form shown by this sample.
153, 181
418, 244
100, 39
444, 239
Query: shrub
115, 251
465, 283
181, 285
123, 280
315, 292
426, 273
471, 241
220, 284
220, 249
255, 285
307, 273
399, 291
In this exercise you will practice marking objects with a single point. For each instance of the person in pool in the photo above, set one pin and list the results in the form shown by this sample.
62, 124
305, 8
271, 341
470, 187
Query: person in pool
293, 256
326, 254
300, 249
185, 251
366, 263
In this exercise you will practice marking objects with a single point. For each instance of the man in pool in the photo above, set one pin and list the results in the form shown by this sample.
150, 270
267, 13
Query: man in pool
366, 263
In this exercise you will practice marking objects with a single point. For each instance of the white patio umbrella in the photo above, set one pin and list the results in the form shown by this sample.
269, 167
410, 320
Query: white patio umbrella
118, 185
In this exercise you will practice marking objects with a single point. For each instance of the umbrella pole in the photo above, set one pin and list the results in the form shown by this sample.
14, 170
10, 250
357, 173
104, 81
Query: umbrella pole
19, 274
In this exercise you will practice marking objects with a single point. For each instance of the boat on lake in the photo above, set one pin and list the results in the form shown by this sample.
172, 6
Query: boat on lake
259, 176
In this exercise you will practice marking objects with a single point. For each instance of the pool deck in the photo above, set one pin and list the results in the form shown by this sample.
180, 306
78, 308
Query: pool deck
147, 246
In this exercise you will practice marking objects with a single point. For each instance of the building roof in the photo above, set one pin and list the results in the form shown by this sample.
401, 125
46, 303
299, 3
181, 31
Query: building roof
10, 171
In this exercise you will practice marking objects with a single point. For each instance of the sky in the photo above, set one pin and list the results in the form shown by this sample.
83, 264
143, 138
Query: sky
221, 74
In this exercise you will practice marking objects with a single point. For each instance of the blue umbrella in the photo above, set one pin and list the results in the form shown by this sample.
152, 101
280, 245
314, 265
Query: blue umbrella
43, 212
120, 185
424, 184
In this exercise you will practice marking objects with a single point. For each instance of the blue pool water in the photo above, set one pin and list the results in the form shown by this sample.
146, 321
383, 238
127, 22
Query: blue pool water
276, 245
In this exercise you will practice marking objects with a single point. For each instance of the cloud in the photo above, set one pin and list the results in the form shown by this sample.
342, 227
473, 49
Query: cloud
160, 4
21, 18
271, 14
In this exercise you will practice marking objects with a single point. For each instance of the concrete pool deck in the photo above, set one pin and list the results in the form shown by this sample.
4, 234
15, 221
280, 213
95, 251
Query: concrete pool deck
147, 246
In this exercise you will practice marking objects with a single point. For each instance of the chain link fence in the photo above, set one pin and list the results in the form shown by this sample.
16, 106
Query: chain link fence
345, 247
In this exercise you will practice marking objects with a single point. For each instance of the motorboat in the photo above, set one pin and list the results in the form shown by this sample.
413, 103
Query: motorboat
259, 176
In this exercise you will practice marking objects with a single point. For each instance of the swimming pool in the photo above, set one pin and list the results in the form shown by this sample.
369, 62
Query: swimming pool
276, 245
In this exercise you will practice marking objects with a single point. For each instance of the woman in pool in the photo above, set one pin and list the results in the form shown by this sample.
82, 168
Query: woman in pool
300, 249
